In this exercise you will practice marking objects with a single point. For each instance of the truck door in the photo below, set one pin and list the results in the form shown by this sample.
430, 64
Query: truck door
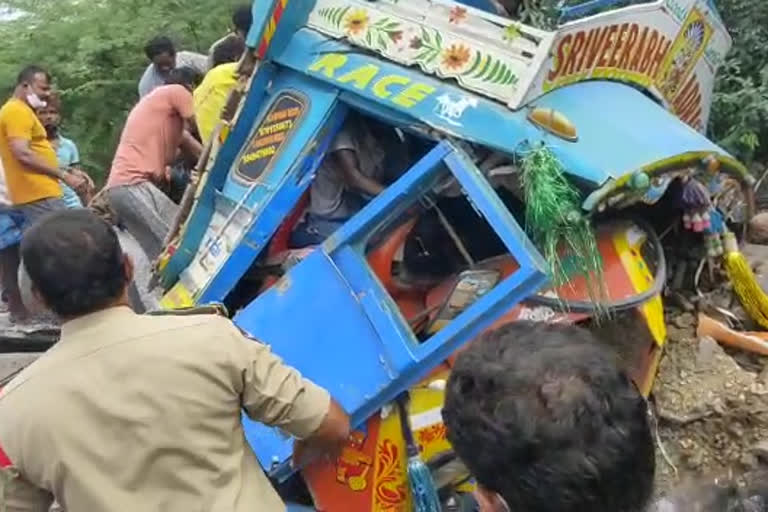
331, 318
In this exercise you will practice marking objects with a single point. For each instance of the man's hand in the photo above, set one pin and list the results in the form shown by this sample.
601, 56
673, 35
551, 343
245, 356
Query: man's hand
85, 176
327, 441
72, 180
347, 161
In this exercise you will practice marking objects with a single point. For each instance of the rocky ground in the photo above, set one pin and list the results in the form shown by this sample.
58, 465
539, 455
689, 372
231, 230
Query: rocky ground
711, 403
712, 412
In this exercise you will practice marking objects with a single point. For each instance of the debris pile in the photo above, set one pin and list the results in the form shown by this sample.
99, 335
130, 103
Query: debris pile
711, 403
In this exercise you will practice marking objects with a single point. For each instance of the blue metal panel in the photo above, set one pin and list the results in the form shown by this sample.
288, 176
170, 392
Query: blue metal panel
584, 9
292, 507
620, 129
281, 186
201, 214
331, 318
262, 13
483, 5
510, 129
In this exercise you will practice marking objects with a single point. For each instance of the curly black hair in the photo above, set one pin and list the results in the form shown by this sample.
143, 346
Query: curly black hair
229, 50
75, 262
542, 415
158, 46
185, 75
242, 18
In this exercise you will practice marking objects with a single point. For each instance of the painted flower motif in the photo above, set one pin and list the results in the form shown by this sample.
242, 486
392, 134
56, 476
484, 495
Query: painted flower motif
456, 56
457, 15
511, 33
395, 36
404, 38
356, 22
416, 43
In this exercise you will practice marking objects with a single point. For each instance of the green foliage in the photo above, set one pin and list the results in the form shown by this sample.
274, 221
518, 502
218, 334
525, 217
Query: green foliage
740, 108
94, 50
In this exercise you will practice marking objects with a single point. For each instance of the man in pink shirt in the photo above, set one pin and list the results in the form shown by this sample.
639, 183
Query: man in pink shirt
154, 133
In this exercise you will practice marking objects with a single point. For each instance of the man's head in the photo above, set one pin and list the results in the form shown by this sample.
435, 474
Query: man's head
229, 50
75, 263
50, 115
33, 85
546, 422
242, 19
162, 53
186, 76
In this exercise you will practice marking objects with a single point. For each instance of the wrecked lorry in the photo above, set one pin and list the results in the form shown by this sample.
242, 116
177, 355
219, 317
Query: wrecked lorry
540, 169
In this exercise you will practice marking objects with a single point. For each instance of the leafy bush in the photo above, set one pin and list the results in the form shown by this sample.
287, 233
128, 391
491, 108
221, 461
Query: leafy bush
740, 106
94, 49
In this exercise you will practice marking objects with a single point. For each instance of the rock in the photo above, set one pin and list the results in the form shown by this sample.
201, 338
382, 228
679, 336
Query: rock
708, 347
758, 228
685, 321
678, 335
760, 450
681, 301
749, 461
735, 429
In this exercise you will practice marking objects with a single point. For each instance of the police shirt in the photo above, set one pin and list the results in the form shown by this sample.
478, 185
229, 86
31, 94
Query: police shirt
139, 413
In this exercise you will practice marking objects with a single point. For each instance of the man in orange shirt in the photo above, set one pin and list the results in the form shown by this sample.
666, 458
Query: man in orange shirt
154, 134
31, 170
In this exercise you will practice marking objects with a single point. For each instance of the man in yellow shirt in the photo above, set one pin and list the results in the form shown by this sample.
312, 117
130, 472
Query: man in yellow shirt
211, 95
31, 169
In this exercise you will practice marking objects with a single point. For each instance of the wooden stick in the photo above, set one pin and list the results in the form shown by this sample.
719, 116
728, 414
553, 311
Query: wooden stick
727, 336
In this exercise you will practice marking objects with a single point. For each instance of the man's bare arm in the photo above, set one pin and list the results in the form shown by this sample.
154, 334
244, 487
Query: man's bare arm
21, 150
190, 145
353, 177
24, 154
328, 439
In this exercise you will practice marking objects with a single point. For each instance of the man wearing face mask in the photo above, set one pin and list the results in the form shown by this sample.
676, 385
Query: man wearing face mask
31, 169
546, 421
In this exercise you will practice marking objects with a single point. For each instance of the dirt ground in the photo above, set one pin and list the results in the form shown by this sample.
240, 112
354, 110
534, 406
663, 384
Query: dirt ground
711, 409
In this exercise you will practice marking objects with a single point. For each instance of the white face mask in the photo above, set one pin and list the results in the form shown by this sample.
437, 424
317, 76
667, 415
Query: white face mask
35, 101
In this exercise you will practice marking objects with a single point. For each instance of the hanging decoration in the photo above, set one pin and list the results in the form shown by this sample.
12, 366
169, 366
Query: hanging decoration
556, 224
697, 206
744, 282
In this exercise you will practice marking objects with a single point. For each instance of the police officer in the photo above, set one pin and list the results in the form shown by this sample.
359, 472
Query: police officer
129, 412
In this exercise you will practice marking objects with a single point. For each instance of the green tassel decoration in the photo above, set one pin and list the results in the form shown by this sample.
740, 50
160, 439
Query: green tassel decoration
556, 224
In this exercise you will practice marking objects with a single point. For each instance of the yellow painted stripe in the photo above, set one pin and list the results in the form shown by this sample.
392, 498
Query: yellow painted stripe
270, 30
642, 280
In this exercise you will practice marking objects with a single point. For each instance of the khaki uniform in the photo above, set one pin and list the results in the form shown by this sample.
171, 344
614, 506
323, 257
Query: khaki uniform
141, 413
